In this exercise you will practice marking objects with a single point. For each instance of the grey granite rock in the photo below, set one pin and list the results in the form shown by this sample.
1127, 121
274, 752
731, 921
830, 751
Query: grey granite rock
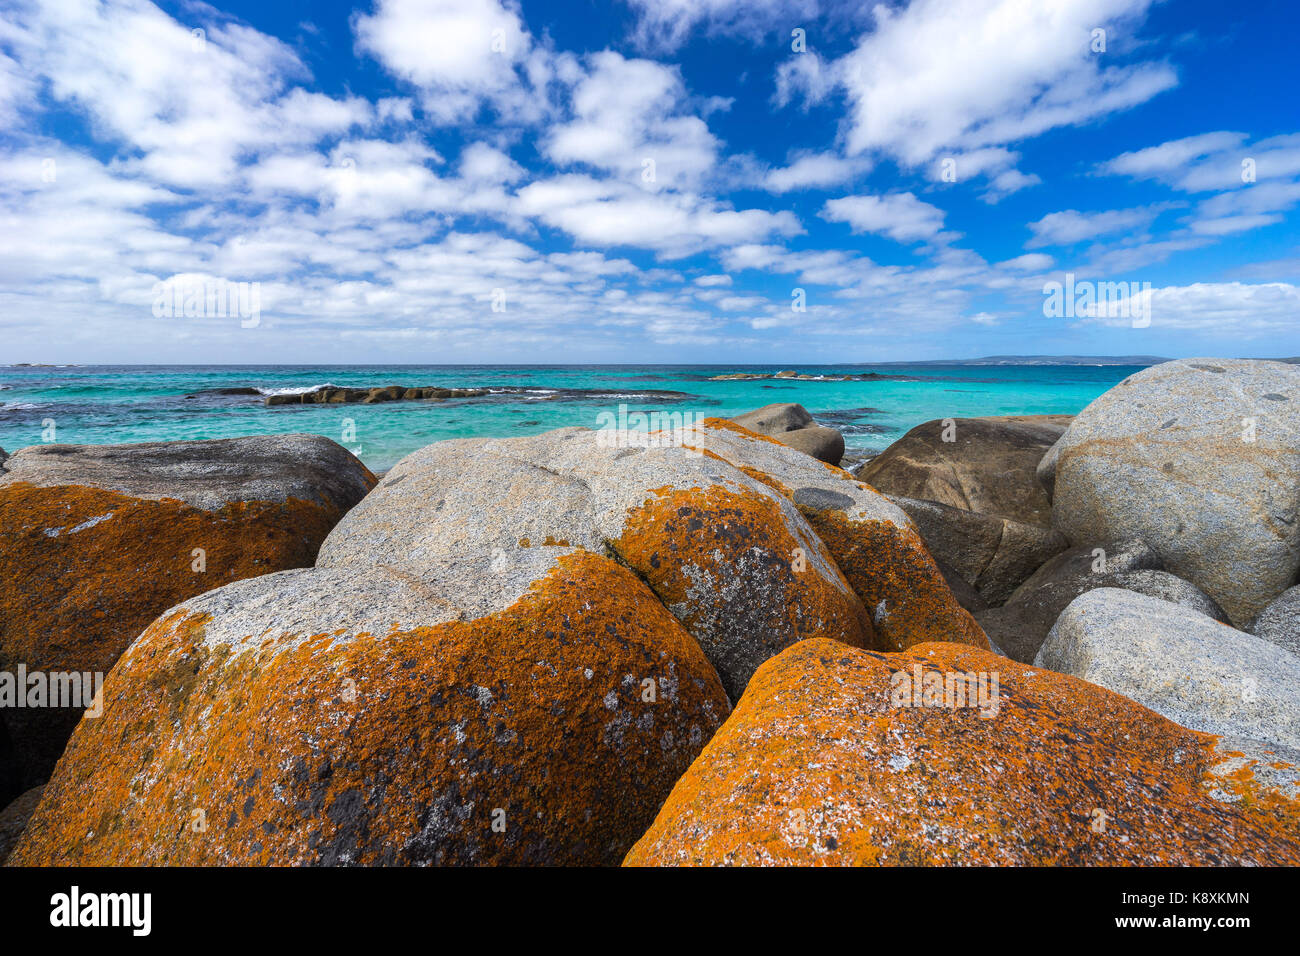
995, 555
979, 464
1021, 624
791, 424
772, 420
1045, 470
496, 500
1171, 588
1190, 668
824, 444
1280, 621
1269, 767
1201, 459
204, 474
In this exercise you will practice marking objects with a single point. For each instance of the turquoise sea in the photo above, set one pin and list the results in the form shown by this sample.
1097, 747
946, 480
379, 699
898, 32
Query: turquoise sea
109, 404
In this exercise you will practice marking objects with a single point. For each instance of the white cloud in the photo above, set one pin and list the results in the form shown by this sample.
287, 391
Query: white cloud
194, 105
482, 163
1254, 183
1030, 262
1222, 308
664, 25
16, 89
995, 163
960, 74
446, 44
610, 213
814, 171
1249, 207
1070, 226
462, 54
804, 76
1211, 162
629, 114
900, 216
1170, 161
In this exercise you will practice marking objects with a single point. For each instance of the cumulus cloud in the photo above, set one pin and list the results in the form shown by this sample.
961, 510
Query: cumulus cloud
805, 78
461, 55
1224, 308
900, 216
609, 213
630, 118
948, 75
814, 171
186, 102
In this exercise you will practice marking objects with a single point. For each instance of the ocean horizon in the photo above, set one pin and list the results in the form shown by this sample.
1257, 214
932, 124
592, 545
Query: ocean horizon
112, 404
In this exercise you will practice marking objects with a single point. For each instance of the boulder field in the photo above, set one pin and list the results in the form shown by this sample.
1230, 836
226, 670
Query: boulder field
507, 652
694, 648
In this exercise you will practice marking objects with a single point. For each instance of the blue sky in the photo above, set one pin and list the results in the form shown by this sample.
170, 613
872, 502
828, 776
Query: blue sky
646, 180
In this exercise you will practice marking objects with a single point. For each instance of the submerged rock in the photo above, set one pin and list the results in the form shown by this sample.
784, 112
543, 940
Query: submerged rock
1201, 459
830, 758
97, 540
371, 396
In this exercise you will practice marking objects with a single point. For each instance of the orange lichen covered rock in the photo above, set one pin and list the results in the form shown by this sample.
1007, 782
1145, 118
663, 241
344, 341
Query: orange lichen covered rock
731, 557
97, 541
874, 543
841, 756
354, 716
739, 576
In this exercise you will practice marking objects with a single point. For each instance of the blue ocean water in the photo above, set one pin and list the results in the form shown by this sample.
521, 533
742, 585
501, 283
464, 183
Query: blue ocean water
109, 404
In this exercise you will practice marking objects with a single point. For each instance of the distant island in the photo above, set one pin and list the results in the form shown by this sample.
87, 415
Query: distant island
1045, 360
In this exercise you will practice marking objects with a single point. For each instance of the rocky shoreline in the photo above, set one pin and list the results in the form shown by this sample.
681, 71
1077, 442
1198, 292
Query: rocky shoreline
1018, 640
373, 396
